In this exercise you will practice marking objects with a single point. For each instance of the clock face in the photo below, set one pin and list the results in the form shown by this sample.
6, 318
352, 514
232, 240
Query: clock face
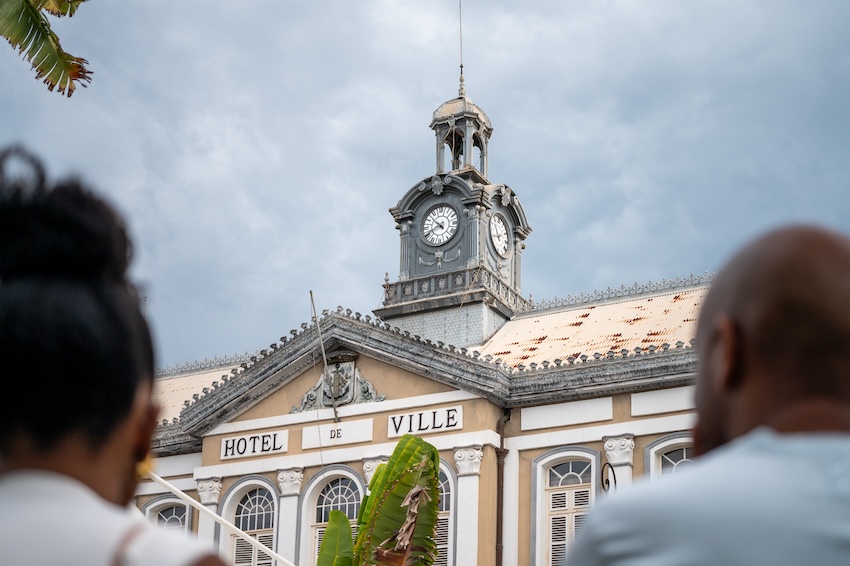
440, 225
499, 234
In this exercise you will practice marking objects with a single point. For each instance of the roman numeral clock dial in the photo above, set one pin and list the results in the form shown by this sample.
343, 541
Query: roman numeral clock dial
499, 235
440, 225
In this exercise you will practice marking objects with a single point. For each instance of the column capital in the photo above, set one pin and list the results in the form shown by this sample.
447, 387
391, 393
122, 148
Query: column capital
619, 449
208, 490
289, 481
370, 465
468, 460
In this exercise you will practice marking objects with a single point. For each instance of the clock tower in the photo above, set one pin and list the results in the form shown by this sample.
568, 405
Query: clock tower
461, 239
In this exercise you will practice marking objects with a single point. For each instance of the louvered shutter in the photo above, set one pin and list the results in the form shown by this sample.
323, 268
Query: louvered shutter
558, 536
581, 498
267, 539
243, 552
441, 537
558, 501
318, 536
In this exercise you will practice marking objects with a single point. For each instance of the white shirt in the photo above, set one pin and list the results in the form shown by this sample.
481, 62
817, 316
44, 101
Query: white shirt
765, 498
51, 519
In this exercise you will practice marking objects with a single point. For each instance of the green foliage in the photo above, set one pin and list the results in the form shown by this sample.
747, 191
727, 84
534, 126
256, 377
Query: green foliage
398, 519
337, 548
24, 24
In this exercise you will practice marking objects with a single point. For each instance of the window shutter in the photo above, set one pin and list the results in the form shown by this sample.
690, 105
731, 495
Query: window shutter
558, 500
267, 539
558, 539
581, 498
243, 552
319, 535
441, 537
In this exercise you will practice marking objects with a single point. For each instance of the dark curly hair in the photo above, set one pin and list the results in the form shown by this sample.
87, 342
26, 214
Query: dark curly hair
74, 344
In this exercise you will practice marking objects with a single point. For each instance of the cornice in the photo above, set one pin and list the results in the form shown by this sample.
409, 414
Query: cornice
619, 293
461, 368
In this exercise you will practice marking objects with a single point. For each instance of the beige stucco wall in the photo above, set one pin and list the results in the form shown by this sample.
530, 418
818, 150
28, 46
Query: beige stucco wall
388, 380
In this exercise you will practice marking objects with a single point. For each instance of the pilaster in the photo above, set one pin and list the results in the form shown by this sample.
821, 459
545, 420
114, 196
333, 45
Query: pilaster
619, 451
370, 465
468, 463
209, 490
289, 482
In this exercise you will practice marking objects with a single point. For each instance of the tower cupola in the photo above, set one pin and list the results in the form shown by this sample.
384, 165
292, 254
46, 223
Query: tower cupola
462, 130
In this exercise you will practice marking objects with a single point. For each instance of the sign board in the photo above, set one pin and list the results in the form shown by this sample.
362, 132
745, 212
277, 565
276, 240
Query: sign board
444, 419
334, 434
259, 444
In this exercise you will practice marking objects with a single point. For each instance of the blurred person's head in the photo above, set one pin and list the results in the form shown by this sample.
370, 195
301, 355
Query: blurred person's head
76, 351
774, 338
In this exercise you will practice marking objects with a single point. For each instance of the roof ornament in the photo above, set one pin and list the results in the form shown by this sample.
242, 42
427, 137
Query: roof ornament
461, 91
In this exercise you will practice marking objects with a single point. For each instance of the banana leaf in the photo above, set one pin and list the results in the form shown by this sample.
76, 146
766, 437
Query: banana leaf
24, 25
398, 520
337, 548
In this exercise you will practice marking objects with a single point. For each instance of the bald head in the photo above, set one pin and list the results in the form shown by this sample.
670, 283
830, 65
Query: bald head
789, 294
775, 327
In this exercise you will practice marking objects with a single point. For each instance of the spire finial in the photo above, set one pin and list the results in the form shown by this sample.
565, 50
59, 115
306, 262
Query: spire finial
461, 91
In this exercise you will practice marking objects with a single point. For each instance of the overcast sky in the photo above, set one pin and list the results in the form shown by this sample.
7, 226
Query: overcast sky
256, 146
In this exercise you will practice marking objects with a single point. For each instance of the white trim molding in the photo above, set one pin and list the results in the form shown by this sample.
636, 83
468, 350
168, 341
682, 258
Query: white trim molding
539, 508
663, 401
566, 414
307, 507
419, 402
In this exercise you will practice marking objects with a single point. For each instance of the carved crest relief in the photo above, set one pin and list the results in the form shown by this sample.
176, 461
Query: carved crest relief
342, 384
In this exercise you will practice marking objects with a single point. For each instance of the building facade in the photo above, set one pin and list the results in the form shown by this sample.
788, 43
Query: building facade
537, 410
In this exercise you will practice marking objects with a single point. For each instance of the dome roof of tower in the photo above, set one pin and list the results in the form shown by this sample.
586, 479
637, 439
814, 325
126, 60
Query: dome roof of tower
459, 106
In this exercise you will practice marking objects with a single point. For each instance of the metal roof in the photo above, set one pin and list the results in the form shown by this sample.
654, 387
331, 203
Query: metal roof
642, 322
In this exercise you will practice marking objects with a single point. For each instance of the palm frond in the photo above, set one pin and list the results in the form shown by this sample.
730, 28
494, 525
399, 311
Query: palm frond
60, 7
27, 29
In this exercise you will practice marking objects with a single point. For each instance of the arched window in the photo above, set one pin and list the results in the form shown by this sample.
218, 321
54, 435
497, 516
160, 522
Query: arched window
568, 496
443, 534
564, 483
340, 494
479, 153
669, 455
167, 512
172, 517
676, 460
453, 158
255, 516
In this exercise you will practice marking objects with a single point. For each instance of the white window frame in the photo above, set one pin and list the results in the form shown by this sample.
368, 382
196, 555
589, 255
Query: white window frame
539, 507
309, 499
153, 507
230, 502
655, 449
451, 513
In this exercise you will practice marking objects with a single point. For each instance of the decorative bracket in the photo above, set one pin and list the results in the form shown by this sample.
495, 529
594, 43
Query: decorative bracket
209, 490
289, 481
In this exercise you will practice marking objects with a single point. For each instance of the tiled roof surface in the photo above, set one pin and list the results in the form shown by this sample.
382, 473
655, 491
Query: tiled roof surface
171, 392
643, 321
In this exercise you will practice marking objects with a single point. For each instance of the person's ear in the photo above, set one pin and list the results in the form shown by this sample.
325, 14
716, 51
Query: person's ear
145, 413
725, 355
